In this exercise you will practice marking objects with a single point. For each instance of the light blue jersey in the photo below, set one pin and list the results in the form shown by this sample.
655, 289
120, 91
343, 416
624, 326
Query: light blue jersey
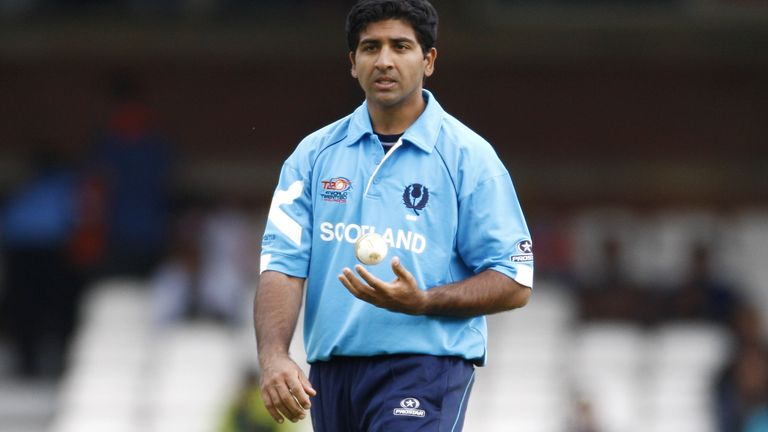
440, 197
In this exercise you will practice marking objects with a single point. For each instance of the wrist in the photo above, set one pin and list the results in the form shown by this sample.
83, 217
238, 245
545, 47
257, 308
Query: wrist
270, 354
425, 303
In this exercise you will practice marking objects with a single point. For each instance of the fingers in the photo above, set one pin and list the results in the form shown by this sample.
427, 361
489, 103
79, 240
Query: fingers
288, 404
288, 397
307, 386
280, 402
269, 402
372, 280
301, 392
401, 272
353, 285
373, 288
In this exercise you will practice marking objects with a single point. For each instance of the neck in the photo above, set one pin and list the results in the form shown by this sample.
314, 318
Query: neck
396, 119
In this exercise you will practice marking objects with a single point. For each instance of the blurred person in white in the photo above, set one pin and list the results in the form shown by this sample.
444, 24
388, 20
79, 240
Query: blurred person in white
208, 272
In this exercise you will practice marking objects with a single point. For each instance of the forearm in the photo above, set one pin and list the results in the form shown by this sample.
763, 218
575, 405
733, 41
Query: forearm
284, 387
485, 293
275, 312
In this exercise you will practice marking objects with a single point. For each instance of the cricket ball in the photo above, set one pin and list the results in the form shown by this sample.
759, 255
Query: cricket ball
371, 248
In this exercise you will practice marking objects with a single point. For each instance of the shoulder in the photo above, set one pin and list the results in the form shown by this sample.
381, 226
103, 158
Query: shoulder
463, 138
467, 154
315, 143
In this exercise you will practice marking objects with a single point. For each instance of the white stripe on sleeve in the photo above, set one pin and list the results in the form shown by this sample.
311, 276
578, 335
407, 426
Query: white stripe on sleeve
284, 223
524, 276
264, 262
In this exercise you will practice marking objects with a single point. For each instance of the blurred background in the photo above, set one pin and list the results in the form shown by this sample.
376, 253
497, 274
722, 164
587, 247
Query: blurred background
142, 139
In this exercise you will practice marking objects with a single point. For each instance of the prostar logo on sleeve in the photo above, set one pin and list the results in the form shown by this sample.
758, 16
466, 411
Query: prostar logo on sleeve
398, 239
524, 251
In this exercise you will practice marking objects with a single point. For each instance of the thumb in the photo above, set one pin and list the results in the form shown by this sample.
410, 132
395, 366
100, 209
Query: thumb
307, 385
399, 269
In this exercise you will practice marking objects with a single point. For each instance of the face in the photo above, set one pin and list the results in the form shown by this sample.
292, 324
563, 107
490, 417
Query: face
390, 65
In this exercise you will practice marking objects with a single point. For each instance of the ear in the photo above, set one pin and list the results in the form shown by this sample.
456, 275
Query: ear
352, 61
429, 62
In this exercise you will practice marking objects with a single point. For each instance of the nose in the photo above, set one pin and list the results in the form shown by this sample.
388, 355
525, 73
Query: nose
384, 59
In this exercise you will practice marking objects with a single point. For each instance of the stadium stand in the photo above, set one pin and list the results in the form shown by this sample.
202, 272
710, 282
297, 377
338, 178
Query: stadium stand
547, 368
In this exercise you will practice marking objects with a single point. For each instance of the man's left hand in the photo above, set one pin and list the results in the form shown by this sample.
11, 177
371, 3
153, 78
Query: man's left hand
401, 295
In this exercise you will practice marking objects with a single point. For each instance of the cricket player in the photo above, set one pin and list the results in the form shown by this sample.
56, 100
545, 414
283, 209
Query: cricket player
393, 346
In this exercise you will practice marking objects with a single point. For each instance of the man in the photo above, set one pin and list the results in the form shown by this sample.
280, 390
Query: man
36, 226
399, 355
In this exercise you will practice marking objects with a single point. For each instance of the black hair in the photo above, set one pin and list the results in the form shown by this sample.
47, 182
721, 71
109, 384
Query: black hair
420, 14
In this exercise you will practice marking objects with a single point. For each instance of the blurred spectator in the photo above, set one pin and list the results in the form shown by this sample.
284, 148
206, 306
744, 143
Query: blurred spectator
135, 164
176, 283
228, 259
701, 296
88, 244
208, 272
42, 285
741, 390
248, 413
758, 421
583, 417
554, 244
747, 326
611, 295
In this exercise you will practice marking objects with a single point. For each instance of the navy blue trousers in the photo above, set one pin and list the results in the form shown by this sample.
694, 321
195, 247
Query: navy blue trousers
397, 393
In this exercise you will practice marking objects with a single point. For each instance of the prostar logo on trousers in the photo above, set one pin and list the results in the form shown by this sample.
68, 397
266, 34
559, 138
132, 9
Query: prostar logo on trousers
398, 239
409, 407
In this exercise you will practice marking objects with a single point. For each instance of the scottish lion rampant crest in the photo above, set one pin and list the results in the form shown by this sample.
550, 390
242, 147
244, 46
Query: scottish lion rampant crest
415, 197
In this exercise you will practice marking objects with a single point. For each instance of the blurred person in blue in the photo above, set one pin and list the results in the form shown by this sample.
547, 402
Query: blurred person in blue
702, 296
758, 422
610, 293
40, 279
134, 162
741, 388
398, 355
743, 391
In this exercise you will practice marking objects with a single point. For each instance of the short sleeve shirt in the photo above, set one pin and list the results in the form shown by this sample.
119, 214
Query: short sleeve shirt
442, 200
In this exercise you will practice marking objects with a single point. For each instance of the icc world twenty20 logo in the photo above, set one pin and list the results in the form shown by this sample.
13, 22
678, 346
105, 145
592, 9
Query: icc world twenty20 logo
336, 189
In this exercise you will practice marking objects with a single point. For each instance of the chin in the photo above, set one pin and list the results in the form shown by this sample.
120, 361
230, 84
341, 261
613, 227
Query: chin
386, 101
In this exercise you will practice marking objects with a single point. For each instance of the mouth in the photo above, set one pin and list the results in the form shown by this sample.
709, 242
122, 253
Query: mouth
384, 83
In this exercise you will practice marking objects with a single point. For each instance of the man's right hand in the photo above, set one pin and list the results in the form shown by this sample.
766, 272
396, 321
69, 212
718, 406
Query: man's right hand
284, 388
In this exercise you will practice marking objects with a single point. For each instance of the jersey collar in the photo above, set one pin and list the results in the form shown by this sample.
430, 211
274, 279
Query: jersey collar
422, 133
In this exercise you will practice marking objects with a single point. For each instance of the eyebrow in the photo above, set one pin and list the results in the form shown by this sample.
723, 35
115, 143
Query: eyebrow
392, 40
